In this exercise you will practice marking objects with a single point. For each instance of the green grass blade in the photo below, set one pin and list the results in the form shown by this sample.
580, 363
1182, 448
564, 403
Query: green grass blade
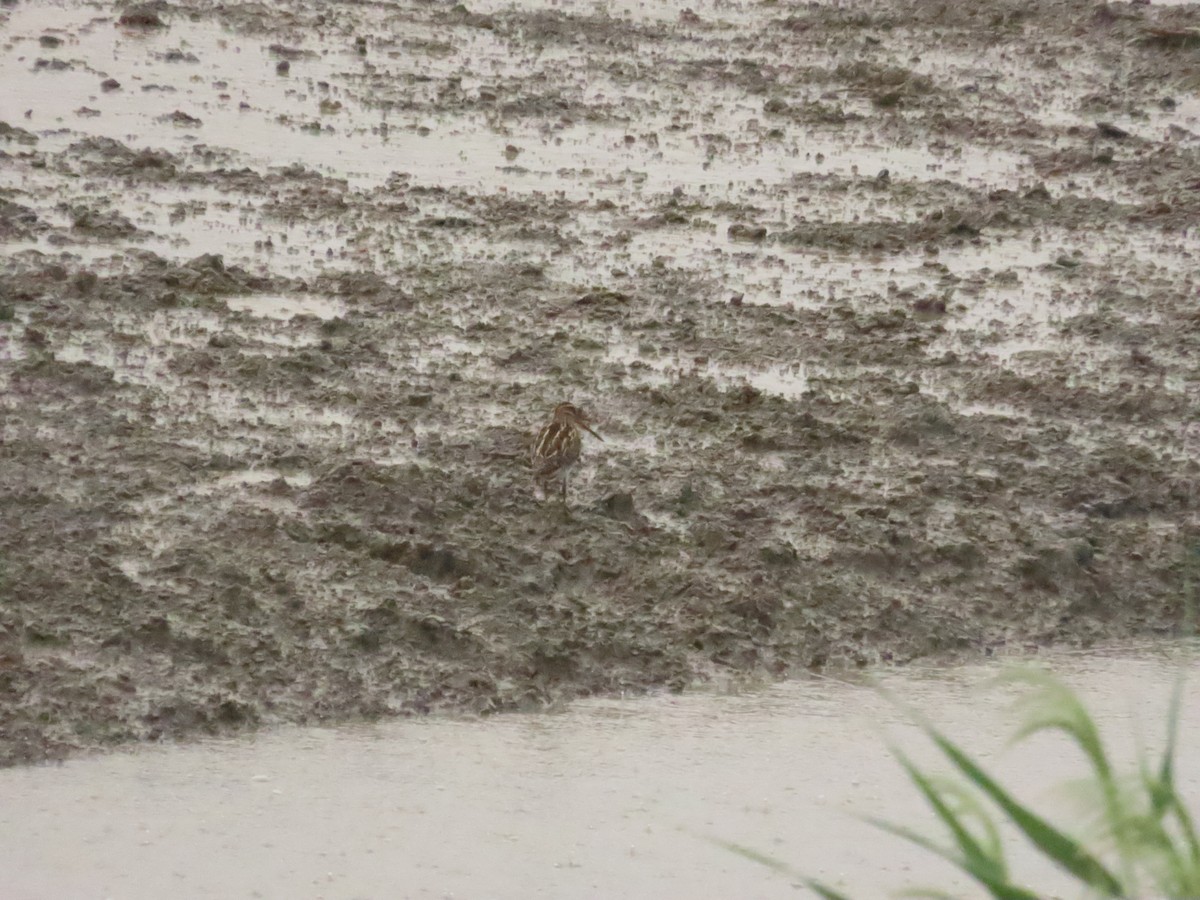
1056, 845
1169, 796
980, 860
999, 889
823, 891
755, 856
820, 889
1053, 706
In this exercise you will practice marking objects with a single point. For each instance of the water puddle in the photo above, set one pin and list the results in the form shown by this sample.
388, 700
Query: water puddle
1008, 87
132, 364
223, 83
785, 379
230, 486
286, 307
143, 350
610, 798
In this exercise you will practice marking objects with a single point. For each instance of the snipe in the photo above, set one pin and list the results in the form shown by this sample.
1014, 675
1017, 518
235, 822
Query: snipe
557, 446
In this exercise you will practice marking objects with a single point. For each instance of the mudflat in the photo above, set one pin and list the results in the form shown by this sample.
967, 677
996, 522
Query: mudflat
887, 314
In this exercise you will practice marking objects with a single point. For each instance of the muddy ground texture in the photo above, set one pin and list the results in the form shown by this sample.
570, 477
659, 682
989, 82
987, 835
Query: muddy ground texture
286, 481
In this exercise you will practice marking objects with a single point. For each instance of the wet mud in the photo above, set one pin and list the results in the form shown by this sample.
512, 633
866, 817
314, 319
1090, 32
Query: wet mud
887, 315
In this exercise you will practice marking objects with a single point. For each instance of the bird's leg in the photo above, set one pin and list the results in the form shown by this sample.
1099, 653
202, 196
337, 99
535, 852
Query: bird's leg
566, 510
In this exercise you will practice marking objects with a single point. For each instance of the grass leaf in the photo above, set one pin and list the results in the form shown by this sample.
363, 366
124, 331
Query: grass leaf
1054, 844
1000, 889
820, 889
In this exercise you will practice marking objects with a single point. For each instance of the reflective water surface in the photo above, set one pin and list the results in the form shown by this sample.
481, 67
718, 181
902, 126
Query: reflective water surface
610, 798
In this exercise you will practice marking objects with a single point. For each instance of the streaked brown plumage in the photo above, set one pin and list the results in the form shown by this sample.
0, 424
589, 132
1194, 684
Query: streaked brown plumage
557, 446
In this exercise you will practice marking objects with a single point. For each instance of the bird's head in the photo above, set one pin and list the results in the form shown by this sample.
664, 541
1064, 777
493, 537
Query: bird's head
571, 414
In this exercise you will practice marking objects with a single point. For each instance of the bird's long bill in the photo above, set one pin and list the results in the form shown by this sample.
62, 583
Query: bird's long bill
588, 429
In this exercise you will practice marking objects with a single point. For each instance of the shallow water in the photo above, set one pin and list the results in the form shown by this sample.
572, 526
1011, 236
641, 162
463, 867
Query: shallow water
611, 798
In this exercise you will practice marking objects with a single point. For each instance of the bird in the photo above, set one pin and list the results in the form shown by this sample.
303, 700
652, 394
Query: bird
557, 445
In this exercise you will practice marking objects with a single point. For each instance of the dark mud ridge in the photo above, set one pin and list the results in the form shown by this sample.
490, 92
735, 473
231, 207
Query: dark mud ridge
888, 318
